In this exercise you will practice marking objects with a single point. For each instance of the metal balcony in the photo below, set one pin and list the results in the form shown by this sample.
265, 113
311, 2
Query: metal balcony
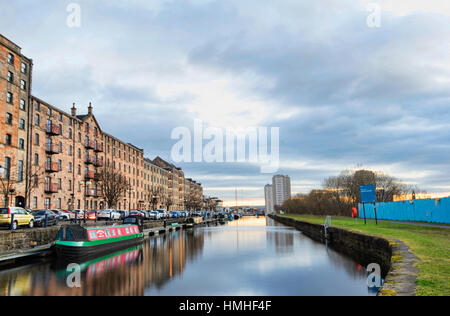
52, 167
51, 188
99, 148
53, 130
52, 149
90, 175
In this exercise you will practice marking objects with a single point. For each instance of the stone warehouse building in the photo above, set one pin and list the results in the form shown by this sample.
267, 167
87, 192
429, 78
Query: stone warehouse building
15, 96
52, 159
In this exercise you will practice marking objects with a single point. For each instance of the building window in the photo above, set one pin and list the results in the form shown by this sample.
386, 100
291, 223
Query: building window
60, 117
20, 171
47, 203
38, 106
21, 143
6, 173
22, 104
70, 150
59, 204
59, 165
10, 77
37, 119
9, 118
70, 167
35, 200
11, 59
23, 85
23, 68
36, 139
8, 139
9, 97
22, 124
36, 159
70, 133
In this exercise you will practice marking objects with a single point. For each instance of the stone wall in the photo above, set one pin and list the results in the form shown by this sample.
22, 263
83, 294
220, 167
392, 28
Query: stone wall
20, 239
364, 249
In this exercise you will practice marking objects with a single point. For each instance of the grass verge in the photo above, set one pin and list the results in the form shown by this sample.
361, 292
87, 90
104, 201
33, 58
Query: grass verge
430, 244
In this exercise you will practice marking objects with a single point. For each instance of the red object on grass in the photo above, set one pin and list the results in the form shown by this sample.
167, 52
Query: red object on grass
354, 212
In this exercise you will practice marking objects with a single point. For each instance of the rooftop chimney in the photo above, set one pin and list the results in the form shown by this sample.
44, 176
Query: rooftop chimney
74, 110
90, 109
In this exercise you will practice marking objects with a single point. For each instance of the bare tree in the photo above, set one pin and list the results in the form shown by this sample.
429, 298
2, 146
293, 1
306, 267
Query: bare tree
35, 176
7, 186
168, 202
154, 195
113, 185
341, 193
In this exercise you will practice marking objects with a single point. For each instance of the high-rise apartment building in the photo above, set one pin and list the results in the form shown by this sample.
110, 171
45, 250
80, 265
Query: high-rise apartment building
277, 193
268, 195
281, 187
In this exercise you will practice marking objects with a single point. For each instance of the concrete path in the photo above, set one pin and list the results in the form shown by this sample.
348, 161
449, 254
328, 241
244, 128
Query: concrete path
401, 279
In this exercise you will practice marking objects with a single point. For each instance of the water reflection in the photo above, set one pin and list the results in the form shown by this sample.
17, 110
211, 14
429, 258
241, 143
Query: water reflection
251, 256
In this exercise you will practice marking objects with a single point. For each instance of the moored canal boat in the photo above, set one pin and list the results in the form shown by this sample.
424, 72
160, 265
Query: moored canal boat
191, 222
77, 243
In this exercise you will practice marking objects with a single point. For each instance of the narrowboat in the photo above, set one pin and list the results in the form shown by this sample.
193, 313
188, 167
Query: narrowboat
79, 243
191, 222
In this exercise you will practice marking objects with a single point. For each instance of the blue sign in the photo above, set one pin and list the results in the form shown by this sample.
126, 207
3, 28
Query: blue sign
368, 193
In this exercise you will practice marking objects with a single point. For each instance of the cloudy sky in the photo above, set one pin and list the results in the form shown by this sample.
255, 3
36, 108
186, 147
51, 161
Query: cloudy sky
343, 93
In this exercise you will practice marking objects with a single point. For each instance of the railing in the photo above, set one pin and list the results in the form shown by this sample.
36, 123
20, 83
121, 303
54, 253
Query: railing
98, 162
52, 149
91, 192
52, 167
51, 188
53, 129
98, 148
90, 175
89, 160
326, 225
89, 144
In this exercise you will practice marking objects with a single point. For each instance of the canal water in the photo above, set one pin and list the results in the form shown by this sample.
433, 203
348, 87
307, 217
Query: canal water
250, 256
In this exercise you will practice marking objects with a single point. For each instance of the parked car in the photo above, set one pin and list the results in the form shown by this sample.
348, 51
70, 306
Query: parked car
123, 214
109, 215
62, 216
39, 218
21, 217
163, 213
155, 215
146, 214
91, 215
137, 213
173, 214
79, 214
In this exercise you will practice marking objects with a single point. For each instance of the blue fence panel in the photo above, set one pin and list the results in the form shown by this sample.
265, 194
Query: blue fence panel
429, 210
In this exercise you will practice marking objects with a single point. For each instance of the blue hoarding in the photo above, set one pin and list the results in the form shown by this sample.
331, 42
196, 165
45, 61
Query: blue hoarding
368, 193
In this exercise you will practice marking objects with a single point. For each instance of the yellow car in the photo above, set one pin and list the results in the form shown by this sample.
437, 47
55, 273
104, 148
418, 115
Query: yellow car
21, 217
